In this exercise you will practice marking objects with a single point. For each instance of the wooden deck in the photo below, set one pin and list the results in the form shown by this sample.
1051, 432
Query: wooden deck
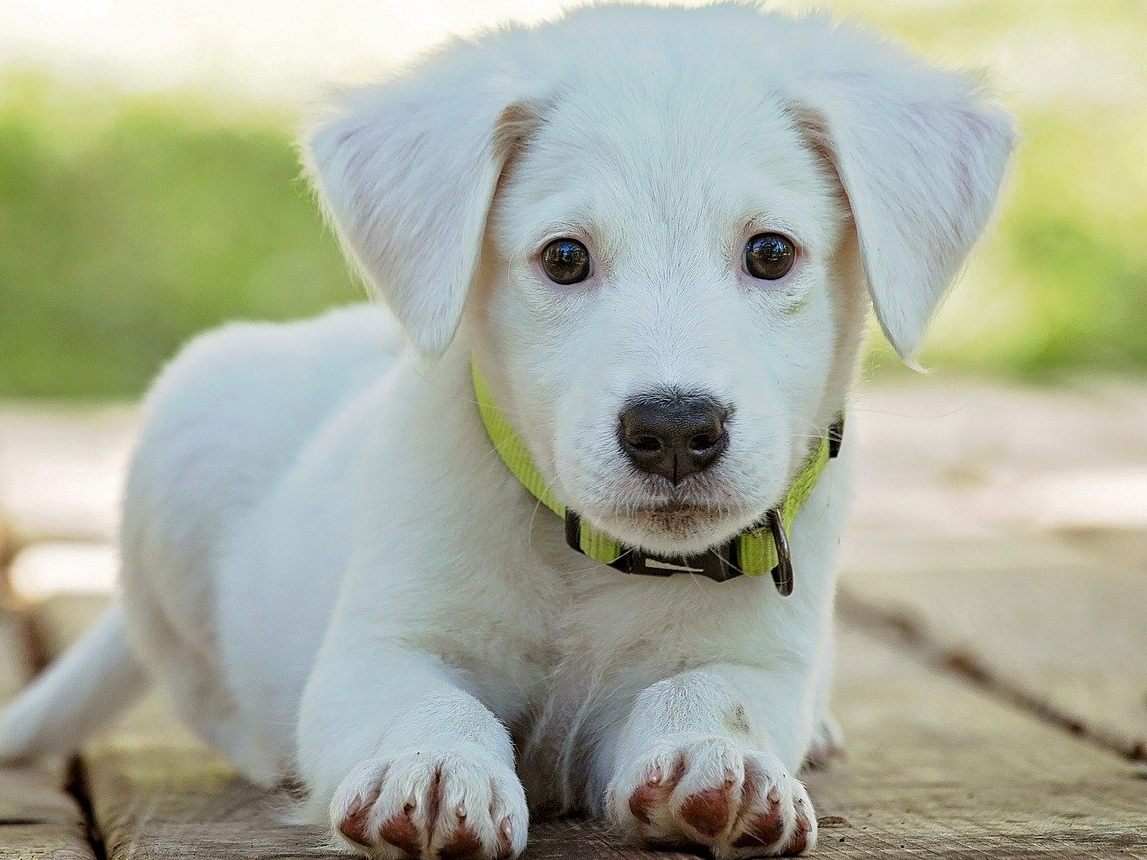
992, 679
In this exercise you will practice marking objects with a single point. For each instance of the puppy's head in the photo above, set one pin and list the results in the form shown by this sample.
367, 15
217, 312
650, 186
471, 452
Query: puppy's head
659, 230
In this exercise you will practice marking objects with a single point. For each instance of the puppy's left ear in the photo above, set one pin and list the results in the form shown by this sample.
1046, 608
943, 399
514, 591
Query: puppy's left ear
920, 157
407, 171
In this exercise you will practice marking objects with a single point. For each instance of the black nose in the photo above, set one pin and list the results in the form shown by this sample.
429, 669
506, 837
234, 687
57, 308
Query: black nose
673, 434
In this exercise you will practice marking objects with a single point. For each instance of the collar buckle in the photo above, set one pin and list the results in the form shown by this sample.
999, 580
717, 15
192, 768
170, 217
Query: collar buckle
719, 564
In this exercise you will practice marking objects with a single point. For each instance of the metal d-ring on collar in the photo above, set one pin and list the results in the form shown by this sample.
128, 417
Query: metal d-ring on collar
783, 577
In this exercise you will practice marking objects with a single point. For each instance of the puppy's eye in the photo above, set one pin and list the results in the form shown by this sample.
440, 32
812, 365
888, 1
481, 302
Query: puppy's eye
566, 261
769, 256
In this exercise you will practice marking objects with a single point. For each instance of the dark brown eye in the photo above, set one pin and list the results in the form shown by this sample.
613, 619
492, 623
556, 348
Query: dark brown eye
769, 256
566, 261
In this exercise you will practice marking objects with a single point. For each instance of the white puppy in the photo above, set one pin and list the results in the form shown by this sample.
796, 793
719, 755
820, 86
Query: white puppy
655, 233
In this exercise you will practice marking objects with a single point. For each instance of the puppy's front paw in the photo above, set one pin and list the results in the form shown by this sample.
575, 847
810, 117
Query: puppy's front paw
450, 805
707, 790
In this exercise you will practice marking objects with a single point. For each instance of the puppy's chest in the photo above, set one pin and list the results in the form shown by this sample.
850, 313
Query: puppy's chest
590, 615
587, 636
606, 630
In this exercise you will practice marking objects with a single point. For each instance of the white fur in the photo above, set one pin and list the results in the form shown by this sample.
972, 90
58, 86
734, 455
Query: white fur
332, 573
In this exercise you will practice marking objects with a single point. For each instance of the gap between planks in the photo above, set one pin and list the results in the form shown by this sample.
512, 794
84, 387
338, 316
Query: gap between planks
41, 816
76, 779
909, 630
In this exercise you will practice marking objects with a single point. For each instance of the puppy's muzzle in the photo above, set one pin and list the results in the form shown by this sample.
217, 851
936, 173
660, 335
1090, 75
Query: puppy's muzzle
673, 434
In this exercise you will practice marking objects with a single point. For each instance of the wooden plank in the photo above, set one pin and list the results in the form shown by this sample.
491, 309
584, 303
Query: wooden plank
50, 567
38, 818
62, 468
935, 768
1070, 640
1006, 530
42, 842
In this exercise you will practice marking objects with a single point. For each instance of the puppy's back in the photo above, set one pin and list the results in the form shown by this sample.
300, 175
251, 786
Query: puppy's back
223, 423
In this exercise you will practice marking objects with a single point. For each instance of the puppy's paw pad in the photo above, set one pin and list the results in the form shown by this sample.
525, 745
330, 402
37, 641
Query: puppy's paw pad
651, 792
708, 791
449, 805
685, 790
708, 812
776, 817
401, 832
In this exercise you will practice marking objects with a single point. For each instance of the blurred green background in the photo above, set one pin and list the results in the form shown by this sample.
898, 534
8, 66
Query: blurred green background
130, 220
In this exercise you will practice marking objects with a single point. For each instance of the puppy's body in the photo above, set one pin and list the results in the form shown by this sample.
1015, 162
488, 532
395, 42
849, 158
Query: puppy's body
331, 570
545, 632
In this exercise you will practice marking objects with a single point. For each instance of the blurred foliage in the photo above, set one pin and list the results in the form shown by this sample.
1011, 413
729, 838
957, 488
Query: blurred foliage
128, 223
1058, 286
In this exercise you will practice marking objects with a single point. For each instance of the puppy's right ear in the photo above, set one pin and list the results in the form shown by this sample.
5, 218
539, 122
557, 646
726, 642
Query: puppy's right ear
407, 170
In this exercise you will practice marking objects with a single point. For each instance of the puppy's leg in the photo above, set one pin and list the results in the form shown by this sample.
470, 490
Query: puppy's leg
707, 757
828, 737
405, 761
827, 742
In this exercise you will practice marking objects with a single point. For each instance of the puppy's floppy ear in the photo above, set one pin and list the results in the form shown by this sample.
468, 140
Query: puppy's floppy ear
920, 157
407, 170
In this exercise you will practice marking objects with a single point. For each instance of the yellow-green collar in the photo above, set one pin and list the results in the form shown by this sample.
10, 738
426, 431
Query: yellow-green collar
762, 548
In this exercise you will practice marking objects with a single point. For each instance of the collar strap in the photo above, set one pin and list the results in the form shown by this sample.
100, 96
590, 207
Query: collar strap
762, 548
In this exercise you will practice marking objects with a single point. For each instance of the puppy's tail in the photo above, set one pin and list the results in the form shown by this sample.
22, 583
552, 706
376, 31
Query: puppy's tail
93, 681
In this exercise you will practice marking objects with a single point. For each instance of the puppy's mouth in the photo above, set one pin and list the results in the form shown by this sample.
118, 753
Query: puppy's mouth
694, 523
677, 518
701, 512
675, 510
